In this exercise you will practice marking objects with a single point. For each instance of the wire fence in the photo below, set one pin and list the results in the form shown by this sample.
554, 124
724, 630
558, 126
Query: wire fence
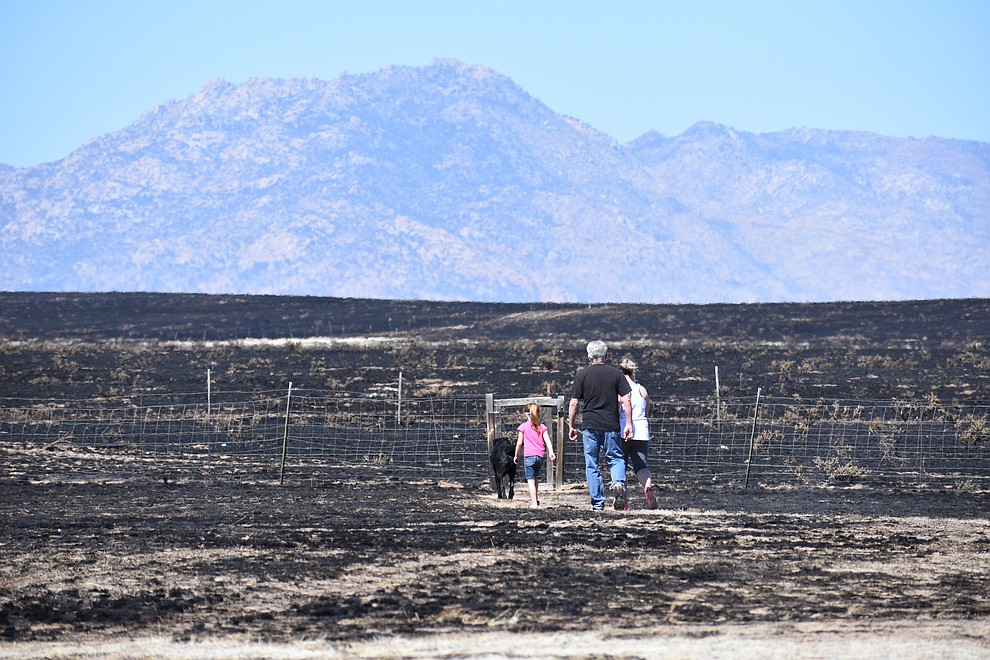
740, 441
836, 441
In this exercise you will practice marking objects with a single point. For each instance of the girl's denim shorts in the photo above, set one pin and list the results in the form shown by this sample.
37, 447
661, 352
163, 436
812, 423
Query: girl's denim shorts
533, 466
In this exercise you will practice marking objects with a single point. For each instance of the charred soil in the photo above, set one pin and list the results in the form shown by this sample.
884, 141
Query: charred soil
103, 545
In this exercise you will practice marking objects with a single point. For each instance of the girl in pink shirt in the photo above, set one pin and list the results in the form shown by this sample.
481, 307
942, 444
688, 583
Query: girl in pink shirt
533, 436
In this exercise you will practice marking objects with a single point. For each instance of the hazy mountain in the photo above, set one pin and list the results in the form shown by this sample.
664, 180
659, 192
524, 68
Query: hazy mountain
450, 182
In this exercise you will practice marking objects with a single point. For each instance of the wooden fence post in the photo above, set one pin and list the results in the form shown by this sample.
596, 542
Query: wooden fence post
558, 477
490, 433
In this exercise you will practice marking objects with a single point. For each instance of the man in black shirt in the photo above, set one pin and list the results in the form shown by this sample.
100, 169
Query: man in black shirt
599, 389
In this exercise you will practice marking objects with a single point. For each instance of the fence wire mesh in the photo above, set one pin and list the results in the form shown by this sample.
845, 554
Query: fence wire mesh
838, 441
742, 440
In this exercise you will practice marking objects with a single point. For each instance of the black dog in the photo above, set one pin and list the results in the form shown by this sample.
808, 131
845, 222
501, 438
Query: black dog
503, 466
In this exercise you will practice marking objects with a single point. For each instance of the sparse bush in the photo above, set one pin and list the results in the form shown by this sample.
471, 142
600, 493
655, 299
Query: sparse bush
848, 413
767, 438
814, 364
801, 429
906, 410
975, 354
782, 366
836, 471
886, 441
794, 468
63, 362
876, 362
654, 356
966, 486
432, 391
972, 430
548, 361
379, 459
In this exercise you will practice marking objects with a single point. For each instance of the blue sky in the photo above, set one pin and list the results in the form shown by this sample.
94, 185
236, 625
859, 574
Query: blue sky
71, 70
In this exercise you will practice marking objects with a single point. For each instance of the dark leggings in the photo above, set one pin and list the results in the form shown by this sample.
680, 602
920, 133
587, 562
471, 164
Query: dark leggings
636, 452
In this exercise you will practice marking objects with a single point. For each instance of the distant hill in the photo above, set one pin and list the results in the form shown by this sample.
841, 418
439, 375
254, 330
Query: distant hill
449, 182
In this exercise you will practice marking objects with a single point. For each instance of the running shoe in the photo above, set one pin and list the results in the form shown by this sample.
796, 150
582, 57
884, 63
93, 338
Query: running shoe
619, 501
651, 497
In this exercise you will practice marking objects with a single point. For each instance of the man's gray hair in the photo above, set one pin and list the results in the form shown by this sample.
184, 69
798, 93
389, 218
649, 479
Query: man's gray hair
597, 350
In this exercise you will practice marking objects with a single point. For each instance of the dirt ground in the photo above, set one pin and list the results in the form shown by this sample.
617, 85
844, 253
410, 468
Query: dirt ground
107, 553
103, 558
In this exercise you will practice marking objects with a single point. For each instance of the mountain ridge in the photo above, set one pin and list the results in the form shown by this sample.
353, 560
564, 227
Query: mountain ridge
450, 182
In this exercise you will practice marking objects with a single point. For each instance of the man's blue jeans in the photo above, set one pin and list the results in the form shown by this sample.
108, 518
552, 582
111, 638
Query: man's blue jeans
594, 441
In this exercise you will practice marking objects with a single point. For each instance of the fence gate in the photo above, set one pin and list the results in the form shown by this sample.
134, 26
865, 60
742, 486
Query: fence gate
504, 415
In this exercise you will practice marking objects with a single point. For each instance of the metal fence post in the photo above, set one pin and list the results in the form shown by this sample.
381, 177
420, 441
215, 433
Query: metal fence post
752, 436
285, 435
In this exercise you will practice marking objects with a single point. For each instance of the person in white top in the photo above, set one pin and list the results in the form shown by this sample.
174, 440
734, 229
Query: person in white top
637, 449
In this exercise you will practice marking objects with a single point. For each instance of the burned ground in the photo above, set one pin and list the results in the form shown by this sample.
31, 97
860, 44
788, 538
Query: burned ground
102, 544
57, 346
95, 549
